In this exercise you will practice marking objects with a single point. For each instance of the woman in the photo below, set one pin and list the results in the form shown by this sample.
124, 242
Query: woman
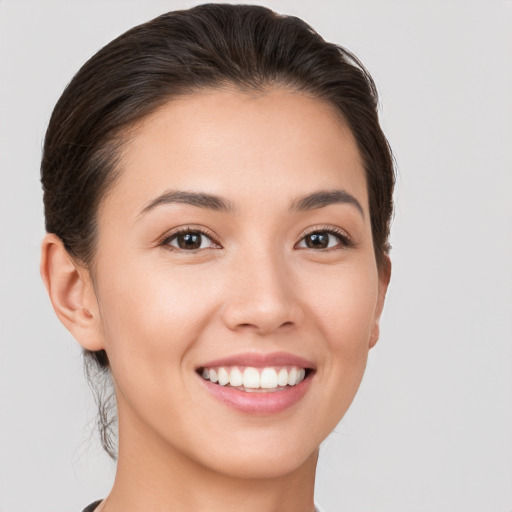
217, 196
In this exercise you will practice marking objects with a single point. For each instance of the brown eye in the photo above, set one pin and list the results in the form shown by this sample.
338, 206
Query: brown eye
325, 239
189, 241
317, 240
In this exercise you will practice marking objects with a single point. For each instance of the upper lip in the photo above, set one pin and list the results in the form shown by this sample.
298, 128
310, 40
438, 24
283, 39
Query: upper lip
259, 360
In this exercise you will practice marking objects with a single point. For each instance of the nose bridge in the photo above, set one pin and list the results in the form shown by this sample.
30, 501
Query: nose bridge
262, 295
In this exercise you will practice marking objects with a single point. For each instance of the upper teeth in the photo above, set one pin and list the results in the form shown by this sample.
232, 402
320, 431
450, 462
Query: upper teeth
255, 378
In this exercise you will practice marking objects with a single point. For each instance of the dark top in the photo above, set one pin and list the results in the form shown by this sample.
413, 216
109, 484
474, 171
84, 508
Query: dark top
92, 506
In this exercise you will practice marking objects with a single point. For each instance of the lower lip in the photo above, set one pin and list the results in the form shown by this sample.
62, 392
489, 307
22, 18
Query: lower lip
261, 402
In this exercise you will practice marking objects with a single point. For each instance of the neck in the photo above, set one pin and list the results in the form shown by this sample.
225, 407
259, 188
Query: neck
151, 475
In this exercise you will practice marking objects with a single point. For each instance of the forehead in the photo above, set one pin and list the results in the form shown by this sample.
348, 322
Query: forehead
239, 145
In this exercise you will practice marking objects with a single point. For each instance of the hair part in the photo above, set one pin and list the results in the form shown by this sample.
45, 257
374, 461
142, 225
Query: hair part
248, 47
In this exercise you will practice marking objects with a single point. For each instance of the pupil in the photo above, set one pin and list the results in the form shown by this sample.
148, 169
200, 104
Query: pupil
189, 241
317, 241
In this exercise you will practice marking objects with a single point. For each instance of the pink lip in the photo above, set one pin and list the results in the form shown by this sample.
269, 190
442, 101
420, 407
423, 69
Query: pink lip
261, 402
258, 360
258, 403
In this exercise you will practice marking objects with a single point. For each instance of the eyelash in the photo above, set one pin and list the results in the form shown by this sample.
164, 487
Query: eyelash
343, 239
166, 241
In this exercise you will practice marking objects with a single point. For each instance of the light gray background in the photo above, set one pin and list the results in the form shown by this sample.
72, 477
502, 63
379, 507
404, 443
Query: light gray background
431, 427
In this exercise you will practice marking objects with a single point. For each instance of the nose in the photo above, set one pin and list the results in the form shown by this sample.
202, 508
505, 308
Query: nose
262, 297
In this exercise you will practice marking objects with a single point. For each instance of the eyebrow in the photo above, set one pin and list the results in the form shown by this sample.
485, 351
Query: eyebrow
199, 199
308, 202
325, 198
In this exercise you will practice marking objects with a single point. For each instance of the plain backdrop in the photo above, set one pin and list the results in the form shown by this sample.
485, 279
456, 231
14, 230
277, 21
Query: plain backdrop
431, 427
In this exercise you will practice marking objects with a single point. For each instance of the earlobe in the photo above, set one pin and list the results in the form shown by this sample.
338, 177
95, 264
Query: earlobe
71, 292
384, 277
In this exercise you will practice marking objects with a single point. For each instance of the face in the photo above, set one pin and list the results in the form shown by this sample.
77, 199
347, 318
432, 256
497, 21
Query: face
235, 280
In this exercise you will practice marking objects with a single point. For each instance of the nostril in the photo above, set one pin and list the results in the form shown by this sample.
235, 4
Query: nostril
263, 317
263, 328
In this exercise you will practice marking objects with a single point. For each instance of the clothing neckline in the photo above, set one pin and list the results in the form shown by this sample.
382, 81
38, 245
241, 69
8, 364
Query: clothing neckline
94, 507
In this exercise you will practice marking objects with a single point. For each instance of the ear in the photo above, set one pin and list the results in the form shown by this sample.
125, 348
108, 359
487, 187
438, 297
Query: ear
384, 277
71, 292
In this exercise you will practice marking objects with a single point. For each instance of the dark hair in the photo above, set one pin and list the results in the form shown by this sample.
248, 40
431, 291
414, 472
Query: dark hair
209, 46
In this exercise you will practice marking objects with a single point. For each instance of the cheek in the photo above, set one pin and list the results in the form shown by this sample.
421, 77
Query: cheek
343, 307
344, 301
151, 317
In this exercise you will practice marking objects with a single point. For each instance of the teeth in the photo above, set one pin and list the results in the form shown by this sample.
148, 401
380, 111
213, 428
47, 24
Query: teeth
236, 378
292, 377
252, 378
268, 378
282, 378
223, 376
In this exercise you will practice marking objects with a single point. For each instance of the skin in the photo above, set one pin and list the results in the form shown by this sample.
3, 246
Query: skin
160, 311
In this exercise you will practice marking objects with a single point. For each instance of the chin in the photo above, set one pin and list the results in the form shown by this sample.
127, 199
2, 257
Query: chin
260, 465
259, 454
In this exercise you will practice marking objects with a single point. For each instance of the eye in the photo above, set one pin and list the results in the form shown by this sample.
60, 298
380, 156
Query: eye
190, 240
324, 239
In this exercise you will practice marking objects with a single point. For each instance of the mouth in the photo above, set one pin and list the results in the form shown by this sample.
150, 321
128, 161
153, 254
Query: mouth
252, 379
261, 384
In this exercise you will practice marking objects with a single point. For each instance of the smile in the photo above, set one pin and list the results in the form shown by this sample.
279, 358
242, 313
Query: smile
251, 379
257, 384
